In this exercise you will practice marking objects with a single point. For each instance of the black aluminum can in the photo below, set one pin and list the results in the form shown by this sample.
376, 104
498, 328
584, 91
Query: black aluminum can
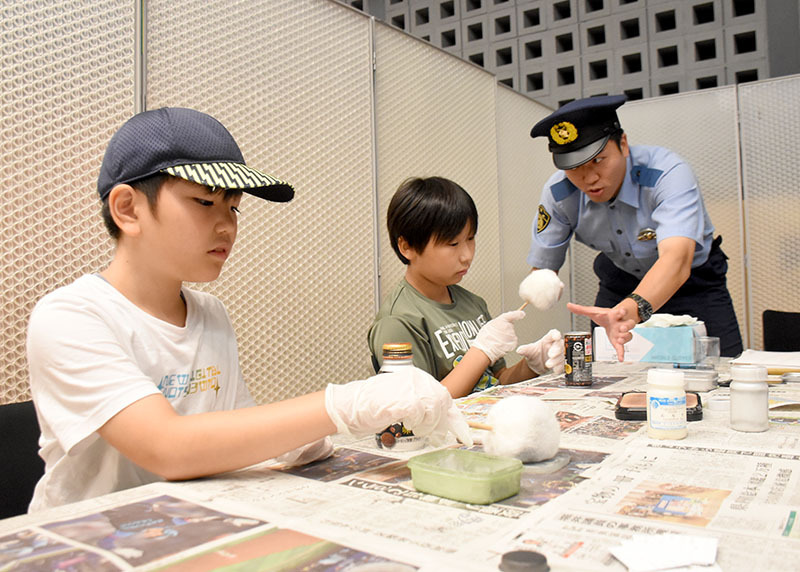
578, 356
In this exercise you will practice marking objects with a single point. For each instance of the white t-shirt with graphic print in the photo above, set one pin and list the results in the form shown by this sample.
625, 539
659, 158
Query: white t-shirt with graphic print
92, 352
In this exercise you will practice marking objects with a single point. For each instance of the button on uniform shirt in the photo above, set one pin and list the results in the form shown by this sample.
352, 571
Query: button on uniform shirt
660, 192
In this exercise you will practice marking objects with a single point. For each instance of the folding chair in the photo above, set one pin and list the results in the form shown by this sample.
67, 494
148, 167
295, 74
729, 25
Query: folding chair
781, 331
19, 451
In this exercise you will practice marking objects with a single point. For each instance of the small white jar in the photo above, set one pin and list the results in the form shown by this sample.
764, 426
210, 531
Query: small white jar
749, 398
666, 404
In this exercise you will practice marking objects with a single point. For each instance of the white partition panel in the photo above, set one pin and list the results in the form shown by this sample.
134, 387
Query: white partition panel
770, 123
523, 167
702, 128
435, 116
293, 83
67, 78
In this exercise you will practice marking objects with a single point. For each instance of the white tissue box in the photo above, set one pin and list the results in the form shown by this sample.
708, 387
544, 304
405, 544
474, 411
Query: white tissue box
652, 344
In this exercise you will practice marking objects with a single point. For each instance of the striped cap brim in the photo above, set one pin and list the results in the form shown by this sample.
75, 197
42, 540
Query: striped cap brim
229, 175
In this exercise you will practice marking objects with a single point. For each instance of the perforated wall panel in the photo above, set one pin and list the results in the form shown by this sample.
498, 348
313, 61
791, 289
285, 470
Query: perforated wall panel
770, 121
66, 75
292, 82
524, 165
702, 128
435, 116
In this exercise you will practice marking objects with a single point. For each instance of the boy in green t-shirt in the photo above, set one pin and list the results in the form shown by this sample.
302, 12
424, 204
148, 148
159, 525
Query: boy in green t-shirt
432, 224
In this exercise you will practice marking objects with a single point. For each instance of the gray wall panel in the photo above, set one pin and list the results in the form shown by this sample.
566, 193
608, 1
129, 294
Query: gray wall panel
523, 166
770, 121
435, 116
292, 81
66, 75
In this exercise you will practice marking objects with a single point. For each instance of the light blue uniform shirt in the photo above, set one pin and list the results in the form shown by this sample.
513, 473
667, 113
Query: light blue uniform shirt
660, 192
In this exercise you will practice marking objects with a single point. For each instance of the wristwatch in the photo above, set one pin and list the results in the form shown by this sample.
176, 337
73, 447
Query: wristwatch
644, 307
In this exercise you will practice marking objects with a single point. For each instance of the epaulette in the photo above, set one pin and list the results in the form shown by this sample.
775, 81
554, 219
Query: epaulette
645, 176
562, 189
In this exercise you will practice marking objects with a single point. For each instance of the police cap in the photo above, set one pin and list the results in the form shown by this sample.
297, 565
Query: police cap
579, 130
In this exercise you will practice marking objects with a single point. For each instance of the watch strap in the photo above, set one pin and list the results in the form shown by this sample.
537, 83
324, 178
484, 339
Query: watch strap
644, 308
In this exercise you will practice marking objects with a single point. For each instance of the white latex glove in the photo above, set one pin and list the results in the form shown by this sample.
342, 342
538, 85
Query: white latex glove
547, 353
316, 451
497, 337
541, 288
412, 396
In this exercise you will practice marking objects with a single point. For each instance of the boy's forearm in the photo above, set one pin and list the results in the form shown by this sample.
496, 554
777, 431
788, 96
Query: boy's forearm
176, 447
463, 377
517, 372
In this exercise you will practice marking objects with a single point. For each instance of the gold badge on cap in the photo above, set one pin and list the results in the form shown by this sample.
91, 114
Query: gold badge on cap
563, 133
543, 220
646, 234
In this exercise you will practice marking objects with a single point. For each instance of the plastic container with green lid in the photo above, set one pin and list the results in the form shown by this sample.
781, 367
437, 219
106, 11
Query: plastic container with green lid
466, 476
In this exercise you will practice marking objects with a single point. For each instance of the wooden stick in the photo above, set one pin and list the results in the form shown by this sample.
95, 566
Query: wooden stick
477, 425
781, 370
522, 307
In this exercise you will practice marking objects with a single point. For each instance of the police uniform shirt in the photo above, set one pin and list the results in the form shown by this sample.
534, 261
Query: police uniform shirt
660, 193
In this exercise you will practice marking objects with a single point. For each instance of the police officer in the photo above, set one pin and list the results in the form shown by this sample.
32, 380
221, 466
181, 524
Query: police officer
641, 208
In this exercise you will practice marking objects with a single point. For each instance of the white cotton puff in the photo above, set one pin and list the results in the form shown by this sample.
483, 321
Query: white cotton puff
541, 288
523, 427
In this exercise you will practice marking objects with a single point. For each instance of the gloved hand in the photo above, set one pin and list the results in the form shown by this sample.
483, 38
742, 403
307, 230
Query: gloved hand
412, 396
497, 336
542, 288
547, 353
315, 451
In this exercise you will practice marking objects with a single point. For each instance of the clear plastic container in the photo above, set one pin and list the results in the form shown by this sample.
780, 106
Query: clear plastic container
749, 398
466, 476
666, 404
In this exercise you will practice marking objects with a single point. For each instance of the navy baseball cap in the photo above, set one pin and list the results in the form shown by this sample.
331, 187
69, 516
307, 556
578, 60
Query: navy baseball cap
579, 130
184, 143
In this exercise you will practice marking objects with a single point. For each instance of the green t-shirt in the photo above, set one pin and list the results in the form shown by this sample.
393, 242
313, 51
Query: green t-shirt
440, 334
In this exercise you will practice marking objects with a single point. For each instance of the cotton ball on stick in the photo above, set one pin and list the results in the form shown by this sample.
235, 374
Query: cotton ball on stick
542, 288
523, 427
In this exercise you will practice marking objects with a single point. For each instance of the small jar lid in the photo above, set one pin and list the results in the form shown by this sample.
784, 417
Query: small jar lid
524, 561
667, 377
748, 373
718, 402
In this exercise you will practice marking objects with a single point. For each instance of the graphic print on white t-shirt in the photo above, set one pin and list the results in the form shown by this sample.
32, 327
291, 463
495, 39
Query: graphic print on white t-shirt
197, 381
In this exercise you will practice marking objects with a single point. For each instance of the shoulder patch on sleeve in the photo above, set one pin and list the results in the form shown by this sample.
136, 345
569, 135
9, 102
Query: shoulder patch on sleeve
645, 176
562, 189
543, 220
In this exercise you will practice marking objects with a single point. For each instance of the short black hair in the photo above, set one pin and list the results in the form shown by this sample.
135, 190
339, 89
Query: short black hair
429, 208
150, 186
616, 136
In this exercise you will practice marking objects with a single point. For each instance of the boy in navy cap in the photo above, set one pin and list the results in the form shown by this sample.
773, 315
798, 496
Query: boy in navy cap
641, 207
136, 378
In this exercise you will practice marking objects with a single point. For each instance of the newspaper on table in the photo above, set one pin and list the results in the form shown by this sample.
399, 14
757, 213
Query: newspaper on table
607, 484
748, 501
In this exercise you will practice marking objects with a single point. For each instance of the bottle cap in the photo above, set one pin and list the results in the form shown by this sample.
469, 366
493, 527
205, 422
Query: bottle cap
749, 373
665, 377
391, 350
791, 377
524, 561
719, 402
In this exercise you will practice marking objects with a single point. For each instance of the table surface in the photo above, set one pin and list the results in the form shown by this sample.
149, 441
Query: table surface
358, 510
